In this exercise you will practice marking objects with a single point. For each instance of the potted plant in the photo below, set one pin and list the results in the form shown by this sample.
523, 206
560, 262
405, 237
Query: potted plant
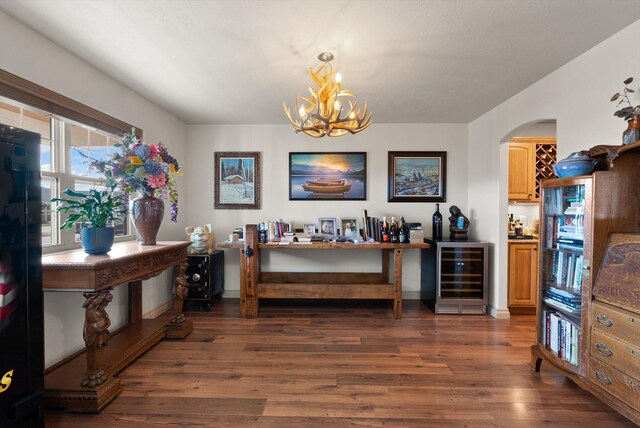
628, 112
93, 211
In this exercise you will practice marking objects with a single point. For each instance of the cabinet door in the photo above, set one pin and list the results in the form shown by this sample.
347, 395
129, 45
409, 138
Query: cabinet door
521, 171
523, 275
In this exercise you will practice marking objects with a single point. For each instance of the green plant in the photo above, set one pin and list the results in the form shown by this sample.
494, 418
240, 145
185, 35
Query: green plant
629, 111
95, 208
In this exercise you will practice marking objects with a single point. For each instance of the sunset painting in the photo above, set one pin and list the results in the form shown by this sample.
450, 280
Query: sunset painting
329, 176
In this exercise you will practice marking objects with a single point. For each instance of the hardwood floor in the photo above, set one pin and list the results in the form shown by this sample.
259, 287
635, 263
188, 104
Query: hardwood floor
345, 364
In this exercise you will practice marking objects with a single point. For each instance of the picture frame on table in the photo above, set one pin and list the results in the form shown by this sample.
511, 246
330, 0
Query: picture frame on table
417, 176
308, 229
337, 176
237, 180
328, 225
349, 226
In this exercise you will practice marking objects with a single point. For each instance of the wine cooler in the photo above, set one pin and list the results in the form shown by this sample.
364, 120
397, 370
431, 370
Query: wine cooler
454, 276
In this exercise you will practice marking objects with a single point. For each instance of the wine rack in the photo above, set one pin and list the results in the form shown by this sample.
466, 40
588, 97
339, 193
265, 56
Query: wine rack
545, 158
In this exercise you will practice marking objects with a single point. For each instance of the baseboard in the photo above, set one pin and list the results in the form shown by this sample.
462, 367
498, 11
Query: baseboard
501, 314
407, 295
155, 313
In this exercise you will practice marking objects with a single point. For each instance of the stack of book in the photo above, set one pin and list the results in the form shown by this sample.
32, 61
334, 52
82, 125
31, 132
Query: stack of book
562, 300
562, 335
566, 269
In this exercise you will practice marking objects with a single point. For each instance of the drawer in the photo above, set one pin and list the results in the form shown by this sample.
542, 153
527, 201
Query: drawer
618, 384
618, 323
615, 353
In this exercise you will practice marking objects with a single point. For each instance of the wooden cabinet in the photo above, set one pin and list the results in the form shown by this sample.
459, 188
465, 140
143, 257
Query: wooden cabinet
523, 277
530, 161
590, 229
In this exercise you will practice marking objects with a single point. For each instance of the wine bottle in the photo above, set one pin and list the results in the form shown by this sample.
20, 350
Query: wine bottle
385, 230
437, 223
402, 234
393, 234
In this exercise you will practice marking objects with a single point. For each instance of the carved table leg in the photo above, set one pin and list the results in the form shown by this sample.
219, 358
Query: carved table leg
96, 335
179, 327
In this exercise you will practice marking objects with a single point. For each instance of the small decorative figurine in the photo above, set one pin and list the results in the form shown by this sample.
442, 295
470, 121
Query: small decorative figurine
459, 224
202, 239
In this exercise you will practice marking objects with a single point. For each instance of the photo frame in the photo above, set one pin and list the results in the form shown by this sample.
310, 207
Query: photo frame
328, 225
349, 226
308, 229
417, 177
237, 180
339, 176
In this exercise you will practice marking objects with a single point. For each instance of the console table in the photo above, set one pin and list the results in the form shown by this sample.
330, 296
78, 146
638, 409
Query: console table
86, 382
256, 285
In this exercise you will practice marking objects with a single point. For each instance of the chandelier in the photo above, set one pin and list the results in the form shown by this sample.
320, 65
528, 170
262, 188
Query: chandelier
326, 111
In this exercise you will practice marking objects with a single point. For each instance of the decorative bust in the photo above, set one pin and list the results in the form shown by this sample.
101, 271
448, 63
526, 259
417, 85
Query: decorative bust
458, 224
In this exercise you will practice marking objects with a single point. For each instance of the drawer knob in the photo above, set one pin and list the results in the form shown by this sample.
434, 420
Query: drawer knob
604, 320
634, 352
604, 349
602, 377
632, 383
633, 320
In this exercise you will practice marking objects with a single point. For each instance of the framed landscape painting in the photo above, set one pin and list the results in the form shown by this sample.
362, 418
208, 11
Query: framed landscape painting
417, 177
237, 180
328, 176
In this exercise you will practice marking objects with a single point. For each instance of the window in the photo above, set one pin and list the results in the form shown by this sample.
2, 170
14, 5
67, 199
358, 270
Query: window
64, 149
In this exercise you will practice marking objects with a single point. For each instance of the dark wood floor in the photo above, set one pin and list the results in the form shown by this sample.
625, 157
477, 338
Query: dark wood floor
331, 364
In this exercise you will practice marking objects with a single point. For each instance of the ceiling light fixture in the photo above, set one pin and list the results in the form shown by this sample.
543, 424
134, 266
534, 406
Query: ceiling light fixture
324, 113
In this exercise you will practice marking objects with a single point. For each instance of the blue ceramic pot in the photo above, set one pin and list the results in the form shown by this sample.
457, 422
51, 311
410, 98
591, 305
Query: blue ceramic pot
573, 165
97, 240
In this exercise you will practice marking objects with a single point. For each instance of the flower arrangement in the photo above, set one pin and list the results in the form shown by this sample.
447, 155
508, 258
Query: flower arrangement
145, 168
628, 111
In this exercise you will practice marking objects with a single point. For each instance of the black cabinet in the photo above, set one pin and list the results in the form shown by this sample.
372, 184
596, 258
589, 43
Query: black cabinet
205, 278
454, 276
21, 297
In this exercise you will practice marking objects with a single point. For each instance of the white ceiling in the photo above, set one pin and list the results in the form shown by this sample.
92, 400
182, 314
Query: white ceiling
235, 61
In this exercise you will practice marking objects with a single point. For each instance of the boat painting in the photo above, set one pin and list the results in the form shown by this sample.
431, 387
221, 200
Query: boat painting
329, 176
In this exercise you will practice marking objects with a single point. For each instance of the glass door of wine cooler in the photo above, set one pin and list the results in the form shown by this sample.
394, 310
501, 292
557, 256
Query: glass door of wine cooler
461, 273
563, 262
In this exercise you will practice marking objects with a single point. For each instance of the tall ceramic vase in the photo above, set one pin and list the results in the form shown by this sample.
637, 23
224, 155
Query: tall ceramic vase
146, 213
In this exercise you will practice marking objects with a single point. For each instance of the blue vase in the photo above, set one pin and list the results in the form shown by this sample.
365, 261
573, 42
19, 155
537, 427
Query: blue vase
97, 240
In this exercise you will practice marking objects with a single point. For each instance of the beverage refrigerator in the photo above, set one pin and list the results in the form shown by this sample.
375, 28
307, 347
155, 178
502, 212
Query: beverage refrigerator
21, 299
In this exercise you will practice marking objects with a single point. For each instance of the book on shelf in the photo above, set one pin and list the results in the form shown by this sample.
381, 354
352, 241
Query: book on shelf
561, 336
561, 306
573, 303
563, 293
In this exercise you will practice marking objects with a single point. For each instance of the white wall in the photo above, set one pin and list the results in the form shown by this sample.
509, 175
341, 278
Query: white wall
577, 96
29, 55
275, 142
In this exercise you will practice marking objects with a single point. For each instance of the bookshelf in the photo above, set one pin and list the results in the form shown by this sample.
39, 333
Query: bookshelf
565, 260
578, 217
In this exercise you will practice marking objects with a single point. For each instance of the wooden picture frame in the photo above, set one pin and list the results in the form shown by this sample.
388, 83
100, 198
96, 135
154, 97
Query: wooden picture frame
417, 177
237, 180
328, 225
338, 176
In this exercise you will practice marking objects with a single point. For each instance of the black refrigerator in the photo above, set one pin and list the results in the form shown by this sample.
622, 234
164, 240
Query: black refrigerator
21, 300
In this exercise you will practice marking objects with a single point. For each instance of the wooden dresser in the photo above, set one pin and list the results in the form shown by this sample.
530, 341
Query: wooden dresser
614, 354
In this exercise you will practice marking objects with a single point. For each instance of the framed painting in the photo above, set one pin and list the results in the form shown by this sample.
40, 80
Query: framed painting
328, 225
417, 177
237, 180
328, 176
